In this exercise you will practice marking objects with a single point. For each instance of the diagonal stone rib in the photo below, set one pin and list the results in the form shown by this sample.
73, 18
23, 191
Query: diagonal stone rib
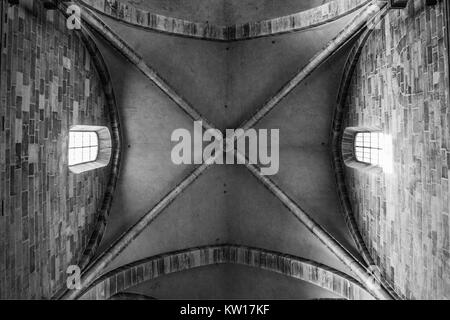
94, 270
364, 18
341, 39
119, 44
316, 229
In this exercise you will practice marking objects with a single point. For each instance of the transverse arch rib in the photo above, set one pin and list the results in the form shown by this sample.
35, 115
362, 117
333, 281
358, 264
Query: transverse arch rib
151, 268
304, 20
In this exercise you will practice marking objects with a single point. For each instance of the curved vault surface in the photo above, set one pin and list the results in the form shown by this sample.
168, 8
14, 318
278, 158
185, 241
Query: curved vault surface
226, 83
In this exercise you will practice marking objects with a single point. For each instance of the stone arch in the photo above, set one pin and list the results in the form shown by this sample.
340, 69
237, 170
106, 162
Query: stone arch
129, 14
340, 154
102, 215
298, 268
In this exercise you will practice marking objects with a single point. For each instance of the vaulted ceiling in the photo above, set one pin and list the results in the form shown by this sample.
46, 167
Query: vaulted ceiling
223, 231
225, 82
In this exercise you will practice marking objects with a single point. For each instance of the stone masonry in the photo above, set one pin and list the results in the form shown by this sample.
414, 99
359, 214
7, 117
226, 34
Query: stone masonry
401, 86
48, 83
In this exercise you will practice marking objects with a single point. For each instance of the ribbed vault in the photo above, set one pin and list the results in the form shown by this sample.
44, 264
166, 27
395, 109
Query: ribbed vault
287, 81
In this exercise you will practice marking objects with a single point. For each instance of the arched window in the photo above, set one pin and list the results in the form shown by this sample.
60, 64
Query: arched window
89, 148
367, 149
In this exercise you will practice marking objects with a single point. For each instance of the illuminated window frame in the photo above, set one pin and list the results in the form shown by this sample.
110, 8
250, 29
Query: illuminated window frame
368, 147
83, 147
92, 160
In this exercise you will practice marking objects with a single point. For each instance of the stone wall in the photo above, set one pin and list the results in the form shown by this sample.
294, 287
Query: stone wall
48, 83
401, 85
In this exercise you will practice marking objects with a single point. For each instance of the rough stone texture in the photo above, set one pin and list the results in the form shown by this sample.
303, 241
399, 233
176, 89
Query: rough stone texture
141, 271
48, 83
401, 85
312, 17
224, 12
